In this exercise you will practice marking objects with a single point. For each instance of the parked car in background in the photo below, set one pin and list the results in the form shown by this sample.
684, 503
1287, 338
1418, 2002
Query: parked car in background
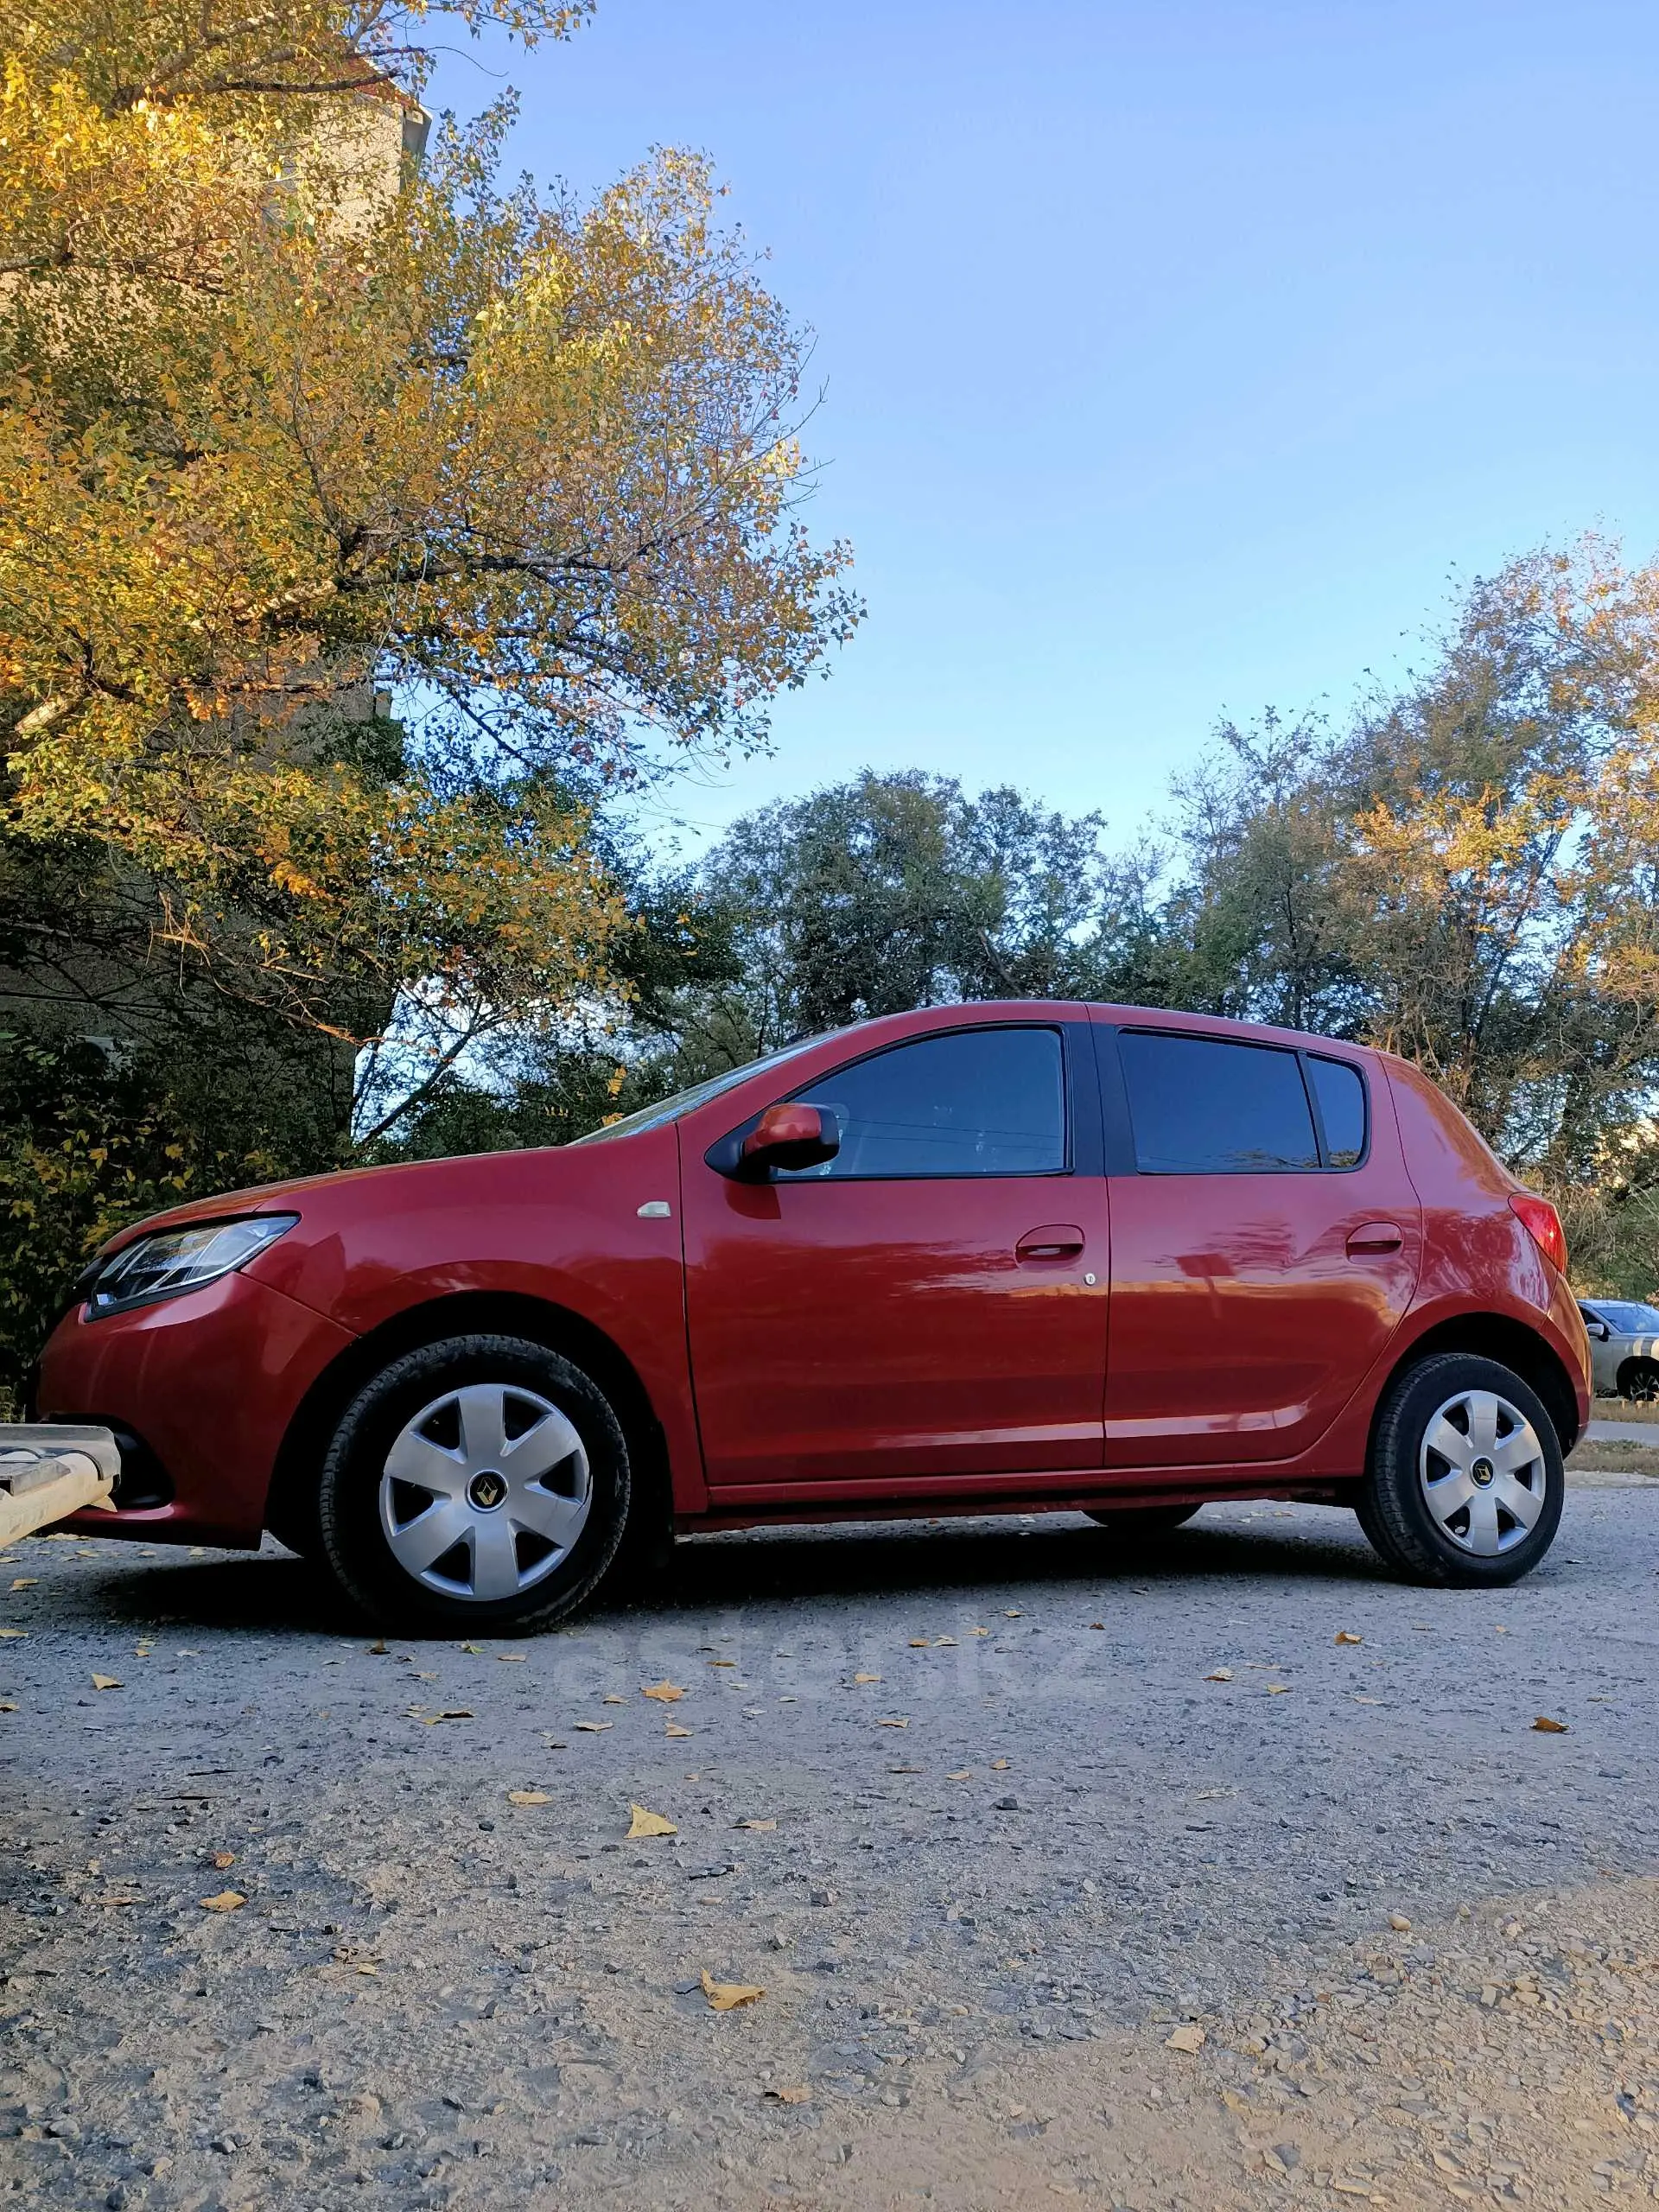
1624, 1347
978, 1258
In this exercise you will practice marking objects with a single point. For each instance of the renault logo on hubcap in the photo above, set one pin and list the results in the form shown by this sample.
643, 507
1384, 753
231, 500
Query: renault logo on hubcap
1482, 1472
487, 1489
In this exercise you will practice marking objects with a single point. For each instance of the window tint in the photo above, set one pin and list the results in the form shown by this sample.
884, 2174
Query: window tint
1628, 1320
1204, 1107
974, 1102
1340, 1089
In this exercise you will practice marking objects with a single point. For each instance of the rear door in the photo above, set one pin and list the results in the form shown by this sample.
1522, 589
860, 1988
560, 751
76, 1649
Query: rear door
929, 1305
1265, 1242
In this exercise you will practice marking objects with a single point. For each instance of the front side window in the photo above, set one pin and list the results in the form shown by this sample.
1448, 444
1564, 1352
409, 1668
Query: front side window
1199, 1106
967, 1101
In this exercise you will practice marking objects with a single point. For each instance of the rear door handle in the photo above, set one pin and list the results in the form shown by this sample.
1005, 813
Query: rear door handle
1056, 1241
1373, 1237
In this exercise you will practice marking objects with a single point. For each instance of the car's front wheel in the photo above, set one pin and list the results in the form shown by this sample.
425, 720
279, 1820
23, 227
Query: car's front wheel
1465, 1483
481, 1483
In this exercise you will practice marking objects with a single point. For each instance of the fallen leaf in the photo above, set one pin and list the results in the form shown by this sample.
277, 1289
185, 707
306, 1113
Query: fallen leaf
1546, 1726
431, 1719
224, 1858
1346, 1635
892, 1724
795, 2093
726, 1996
940, 1641
528, 1797
511, 1658
675, 1729
1097, 1624
8, 1633
227, 1901
866, 1678
1012, 1616
8, 1708
665, 1693
594, 1727
612, 1700
477, 1650
760, 1827
1220, 1675
107, 1682
24, 1581
378, 1651
999, 1766
1189, 2036
963, 1774
918, 1642
1399, 1922
1278, 1690
722, 1662
368, 1970
644, 1823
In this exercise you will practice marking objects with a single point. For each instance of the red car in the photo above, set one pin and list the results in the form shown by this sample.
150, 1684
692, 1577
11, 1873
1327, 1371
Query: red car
974, 1258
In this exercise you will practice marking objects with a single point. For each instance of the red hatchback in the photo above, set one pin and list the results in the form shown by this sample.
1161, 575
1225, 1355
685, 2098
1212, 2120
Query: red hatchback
978, 1258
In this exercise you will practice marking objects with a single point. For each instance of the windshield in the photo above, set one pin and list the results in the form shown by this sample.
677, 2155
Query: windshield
670, 1109
1627, 1320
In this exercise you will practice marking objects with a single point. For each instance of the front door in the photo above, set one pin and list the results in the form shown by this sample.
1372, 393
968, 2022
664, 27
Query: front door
1265, 1242
931, 1303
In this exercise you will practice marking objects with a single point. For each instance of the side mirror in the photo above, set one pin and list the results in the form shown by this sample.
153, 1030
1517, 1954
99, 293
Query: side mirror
1599, 1330
789, 1136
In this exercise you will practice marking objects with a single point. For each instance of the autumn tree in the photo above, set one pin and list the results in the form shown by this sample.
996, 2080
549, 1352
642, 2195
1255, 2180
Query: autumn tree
290, 428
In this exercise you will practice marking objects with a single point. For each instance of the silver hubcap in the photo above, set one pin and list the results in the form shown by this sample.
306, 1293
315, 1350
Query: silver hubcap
484, 1492
1482, 1471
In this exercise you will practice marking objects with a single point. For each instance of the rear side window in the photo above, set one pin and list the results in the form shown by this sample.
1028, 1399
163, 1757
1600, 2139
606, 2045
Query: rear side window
970, 1102
1202, 1106
1340, 1089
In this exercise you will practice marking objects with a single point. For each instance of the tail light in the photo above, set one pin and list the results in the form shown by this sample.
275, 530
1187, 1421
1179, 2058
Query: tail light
1543, 1225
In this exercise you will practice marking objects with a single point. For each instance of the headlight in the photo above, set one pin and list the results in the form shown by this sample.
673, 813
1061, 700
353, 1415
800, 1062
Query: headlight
172, 1260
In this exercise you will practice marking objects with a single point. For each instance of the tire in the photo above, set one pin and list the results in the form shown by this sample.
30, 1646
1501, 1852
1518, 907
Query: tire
1638, 1380
1465, 1483
534, 1501
1143, 1520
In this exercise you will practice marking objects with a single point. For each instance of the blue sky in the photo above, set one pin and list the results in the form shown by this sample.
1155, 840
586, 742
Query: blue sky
1178, 357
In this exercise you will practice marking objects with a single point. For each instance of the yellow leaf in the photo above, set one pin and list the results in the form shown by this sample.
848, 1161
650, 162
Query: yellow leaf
795, 2093
224, 1858
726, 1996
999, 1766
106, 1682
918, 1642
511, 1658
664, 1693
892, 1724
1278, 1690
760, 1827
963, 1774
594, 1727
9, 1633
528, 1797
1220, 1675
722, 1662
431, 1719
227, 1901
378, 1650
612, 1700
24, 1581
675, 1729
644, 1823
1345, 1636
1189, 2036
1546, 1726
866, 1678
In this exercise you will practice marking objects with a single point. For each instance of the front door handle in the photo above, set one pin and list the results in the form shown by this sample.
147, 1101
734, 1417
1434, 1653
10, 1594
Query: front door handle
1373, 1237
1057, 1241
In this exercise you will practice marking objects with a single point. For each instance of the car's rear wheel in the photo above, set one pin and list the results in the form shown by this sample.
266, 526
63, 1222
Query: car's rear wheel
1465, 1483
1143, 1520
481, 1483
1638, 1379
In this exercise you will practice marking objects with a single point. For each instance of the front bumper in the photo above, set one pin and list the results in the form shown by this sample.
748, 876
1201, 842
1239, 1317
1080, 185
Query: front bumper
209, 1383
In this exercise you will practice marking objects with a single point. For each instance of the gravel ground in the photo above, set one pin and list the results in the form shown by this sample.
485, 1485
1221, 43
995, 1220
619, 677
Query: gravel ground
987, 1809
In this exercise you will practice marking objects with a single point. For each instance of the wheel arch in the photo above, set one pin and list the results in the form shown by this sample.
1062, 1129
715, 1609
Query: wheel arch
1497, 1336
288, 1501
1629, 1368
